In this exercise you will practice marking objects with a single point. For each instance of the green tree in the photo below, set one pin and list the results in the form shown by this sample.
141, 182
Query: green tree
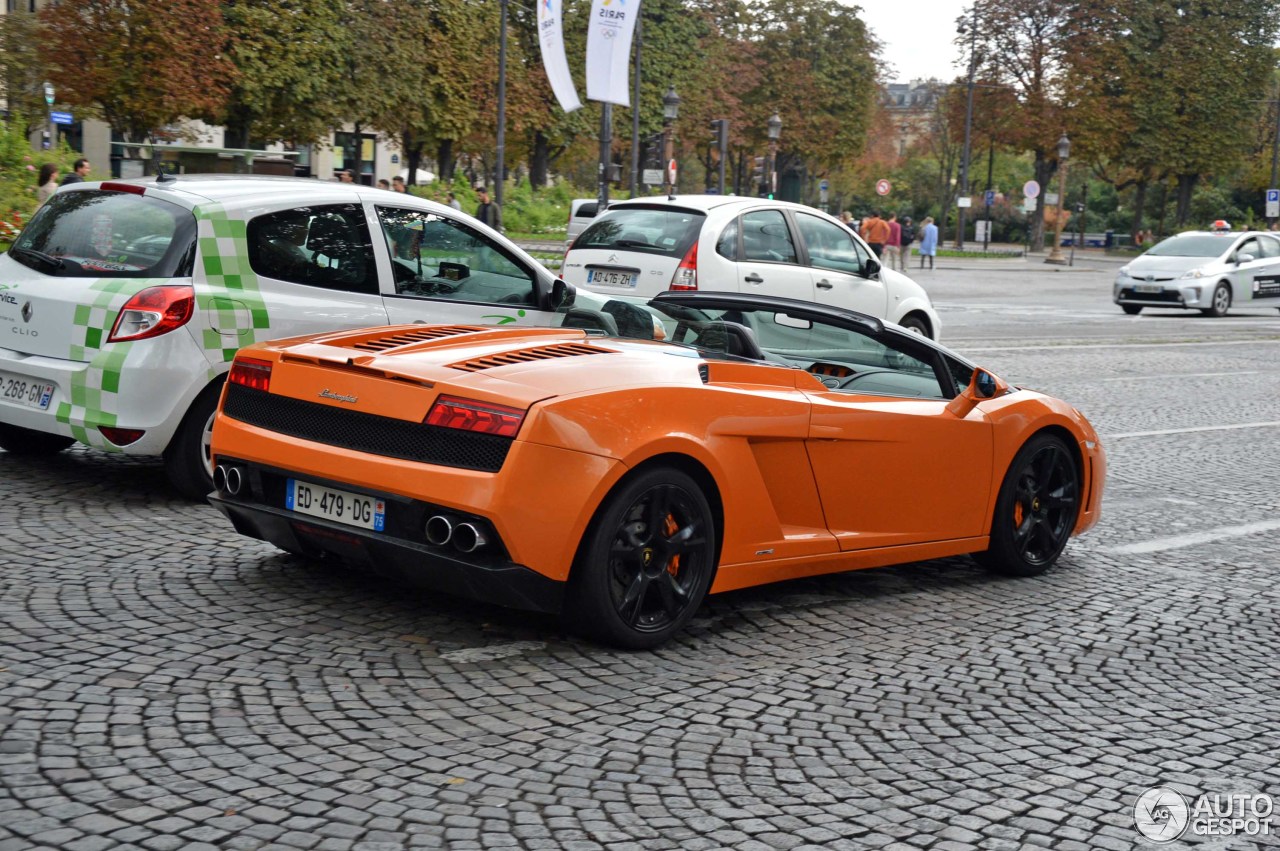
289, 57
21, 68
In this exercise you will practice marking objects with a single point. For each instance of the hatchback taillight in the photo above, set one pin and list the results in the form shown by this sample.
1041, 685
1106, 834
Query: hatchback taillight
686, 276
251, 372
152, 312
470, 415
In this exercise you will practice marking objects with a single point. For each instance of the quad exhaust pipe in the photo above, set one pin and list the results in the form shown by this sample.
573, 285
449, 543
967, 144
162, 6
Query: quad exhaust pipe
228, 478
465, 537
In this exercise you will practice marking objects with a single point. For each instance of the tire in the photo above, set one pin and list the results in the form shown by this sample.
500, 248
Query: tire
634, 587
25, 441
915, 325
1036, 509
1131, 309
1221, 301
186, 459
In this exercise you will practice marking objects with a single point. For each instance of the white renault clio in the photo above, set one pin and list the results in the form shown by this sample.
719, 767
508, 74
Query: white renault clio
123, 303
751, 245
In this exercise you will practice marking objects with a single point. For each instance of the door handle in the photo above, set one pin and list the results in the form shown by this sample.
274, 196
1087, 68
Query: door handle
824, 284
753, 278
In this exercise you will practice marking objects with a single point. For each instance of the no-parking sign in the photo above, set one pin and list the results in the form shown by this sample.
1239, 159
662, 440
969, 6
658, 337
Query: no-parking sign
883, 186
1030, 189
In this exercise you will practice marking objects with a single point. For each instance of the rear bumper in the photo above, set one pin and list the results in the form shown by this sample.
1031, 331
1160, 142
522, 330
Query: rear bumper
491, 579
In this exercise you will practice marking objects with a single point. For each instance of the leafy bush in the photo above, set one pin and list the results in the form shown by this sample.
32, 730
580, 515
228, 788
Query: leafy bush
19, 169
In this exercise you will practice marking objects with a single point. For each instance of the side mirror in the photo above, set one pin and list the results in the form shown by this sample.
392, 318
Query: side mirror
982, 385
1244, 258
562, 296
872, 267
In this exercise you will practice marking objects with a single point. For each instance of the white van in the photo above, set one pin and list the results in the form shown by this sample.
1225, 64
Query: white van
581, 212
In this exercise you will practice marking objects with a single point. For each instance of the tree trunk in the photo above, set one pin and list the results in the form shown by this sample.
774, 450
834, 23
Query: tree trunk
1139, 205
538, 160
236, 131
445, 160
1044, 171
1186, 184
1163, 206
413, 146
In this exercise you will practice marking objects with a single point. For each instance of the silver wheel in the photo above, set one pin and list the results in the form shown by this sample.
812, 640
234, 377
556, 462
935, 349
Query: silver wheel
1221, 301
206, 445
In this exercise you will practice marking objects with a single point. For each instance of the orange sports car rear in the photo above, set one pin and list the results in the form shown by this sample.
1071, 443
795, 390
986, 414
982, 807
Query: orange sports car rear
620, 480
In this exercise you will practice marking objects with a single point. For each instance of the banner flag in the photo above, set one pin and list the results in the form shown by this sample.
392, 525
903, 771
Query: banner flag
609, 49
551, 40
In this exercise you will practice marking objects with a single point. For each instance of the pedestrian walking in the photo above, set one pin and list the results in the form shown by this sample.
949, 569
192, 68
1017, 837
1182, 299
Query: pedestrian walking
908, 237
383, 183
345, 176
398, 184
79, 172
928, 241
46, 183
893, 257
454, 202
875, 231
488, 212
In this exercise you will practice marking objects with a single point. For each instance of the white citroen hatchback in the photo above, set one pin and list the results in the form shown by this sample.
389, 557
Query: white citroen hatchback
751, 245
123, 303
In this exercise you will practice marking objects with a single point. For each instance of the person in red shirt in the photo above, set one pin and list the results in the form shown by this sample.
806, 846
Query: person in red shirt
893, 246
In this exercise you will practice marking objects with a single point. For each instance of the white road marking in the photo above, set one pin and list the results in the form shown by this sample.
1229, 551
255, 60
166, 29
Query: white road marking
1183, 375
959, 344
1195, 538
1163, 431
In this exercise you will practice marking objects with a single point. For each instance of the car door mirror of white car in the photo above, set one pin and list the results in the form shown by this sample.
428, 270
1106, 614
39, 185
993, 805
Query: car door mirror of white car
872, 268
1244, 258
562, 296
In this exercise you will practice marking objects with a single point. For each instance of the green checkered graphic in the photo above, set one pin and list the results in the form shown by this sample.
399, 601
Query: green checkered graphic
95, 389
229, 290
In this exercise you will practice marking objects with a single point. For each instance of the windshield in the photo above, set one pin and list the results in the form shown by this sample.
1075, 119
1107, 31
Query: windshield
1196, 245
96, 234
662, 231
845, 356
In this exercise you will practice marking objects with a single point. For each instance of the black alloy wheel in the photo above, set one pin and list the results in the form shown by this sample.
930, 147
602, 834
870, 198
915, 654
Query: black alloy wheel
1131, 309
647, 561
1036, 509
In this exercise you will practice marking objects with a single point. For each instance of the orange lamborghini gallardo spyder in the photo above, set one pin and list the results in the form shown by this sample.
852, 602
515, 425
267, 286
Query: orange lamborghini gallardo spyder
620, 480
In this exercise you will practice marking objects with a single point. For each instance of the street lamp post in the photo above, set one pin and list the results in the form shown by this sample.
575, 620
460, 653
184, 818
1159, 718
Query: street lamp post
775, 131
968, 125
51, 133
1064, 150
670, 112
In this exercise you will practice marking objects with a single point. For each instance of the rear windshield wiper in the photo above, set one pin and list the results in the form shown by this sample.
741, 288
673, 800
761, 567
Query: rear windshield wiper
632, 243
47, 259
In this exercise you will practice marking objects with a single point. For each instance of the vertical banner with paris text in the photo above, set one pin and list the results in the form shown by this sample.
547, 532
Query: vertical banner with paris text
609, 49
551, 40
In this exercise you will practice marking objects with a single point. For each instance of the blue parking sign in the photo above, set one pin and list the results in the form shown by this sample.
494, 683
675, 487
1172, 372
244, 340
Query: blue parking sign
991, 197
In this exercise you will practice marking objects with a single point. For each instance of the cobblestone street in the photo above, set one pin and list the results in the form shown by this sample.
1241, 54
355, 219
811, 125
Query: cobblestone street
168, 684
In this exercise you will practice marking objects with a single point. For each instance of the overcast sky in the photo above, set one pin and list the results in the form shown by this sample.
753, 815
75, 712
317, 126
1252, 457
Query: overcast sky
916, 35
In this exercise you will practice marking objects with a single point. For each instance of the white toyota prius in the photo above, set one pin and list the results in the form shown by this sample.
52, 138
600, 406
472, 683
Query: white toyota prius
122, 303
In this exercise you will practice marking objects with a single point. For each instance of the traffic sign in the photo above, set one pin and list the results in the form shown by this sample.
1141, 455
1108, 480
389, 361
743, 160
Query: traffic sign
883, 186
1273, 203
48, 93
61, 117
671, 169
990, 197
651, 176
1031, 189
823, 185
964, 201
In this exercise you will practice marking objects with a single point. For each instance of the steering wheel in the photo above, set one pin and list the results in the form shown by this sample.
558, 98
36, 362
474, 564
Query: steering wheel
848, 382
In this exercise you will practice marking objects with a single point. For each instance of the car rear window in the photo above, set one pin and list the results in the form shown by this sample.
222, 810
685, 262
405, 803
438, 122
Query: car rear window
96, 234
663, 231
